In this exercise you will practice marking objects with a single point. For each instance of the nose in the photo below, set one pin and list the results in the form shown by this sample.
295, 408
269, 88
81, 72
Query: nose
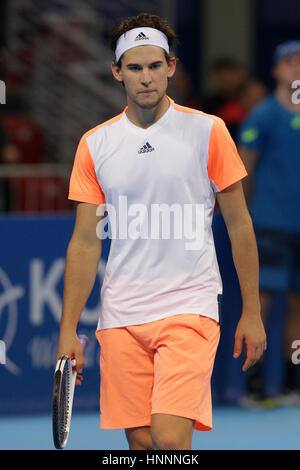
146, 78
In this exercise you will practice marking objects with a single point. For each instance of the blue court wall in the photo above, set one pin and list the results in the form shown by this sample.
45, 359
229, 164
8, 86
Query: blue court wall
32, 261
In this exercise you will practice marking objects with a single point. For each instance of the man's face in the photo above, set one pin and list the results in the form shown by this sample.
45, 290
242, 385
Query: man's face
288, 69
145, 74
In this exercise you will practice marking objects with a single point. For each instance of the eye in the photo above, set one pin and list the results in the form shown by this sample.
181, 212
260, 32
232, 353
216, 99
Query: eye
155, 66
134, 68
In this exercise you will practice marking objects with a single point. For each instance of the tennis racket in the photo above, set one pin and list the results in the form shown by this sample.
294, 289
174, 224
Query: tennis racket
62, 397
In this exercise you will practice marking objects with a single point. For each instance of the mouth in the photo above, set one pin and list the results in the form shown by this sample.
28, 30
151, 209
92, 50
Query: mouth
146, 92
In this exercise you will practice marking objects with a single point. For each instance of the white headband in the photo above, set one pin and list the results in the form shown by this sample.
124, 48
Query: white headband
141, 37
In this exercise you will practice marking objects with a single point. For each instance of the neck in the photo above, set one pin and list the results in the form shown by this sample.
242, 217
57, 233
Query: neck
284, 95
146, 117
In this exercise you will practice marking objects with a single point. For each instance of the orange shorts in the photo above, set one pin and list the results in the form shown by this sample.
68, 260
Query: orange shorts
164, 366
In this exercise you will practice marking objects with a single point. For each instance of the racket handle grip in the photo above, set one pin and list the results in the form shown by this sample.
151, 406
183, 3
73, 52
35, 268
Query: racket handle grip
84, 341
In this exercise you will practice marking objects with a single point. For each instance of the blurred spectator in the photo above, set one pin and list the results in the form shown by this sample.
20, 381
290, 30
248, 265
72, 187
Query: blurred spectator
19, 126
252, 92
23, 142
228, 77
9, 152
26, 135
269, 144
236, 92
181, 88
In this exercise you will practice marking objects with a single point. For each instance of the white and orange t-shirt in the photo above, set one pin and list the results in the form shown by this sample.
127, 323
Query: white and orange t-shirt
158, 186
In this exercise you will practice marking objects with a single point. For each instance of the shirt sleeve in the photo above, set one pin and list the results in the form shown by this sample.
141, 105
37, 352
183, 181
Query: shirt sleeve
84, 185
224, 166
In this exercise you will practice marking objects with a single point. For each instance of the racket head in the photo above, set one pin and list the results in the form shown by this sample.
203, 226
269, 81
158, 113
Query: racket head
62, 398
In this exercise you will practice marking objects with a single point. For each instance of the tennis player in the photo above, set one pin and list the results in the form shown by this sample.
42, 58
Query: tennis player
159, 324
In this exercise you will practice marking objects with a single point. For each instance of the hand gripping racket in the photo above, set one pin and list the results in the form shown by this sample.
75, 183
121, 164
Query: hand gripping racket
62, 397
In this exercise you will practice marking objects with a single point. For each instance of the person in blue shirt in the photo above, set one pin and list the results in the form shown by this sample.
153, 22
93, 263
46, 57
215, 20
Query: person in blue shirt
269, 144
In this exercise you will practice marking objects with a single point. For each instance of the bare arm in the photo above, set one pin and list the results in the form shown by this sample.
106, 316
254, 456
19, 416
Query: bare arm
249, 158
244, 251
83, 255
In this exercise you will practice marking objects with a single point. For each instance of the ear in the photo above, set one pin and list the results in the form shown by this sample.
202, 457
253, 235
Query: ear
116, 71
171, 67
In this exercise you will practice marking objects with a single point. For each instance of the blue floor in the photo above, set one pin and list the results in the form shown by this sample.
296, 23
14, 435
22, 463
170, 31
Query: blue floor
234, 429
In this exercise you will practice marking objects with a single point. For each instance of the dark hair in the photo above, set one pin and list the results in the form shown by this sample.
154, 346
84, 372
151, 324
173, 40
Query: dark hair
147, 20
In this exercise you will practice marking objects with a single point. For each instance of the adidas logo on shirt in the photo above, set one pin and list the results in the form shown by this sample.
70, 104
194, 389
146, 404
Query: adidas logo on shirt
141, 36
146, 148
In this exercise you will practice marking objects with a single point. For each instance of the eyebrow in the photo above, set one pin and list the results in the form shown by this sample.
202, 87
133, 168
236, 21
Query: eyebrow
139, 65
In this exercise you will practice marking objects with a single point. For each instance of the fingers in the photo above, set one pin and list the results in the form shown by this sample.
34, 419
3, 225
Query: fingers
260, 351
248, 363
238, 346
250, 332
79, 358
79, 379
254, 354
79, 364
70, 346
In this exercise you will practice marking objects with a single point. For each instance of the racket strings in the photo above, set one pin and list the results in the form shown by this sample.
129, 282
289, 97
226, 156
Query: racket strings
64, 408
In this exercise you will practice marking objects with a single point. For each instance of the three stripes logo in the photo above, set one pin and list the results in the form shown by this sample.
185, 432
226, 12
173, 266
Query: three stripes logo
141, 37
146, 148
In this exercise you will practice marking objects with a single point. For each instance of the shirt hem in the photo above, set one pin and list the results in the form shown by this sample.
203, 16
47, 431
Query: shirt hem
133, 322
231, 181
84, 198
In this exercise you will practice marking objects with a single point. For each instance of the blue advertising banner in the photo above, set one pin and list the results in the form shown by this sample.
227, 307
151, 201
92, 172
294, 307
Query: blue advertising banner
31, 285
